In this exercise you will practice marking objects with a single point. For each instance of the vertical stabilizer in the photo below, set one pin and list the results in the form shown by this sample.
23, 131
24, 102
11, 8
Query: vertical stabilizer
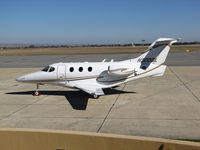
157, 52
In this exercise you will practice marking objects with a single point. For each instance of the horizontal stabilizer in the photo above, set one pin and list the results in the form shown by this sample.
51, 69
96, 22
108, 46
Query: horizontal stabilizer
164, 41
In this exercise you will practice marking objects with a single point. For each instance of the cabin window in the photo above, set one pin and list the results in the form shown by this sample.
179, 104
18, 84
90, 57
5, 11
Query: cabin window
45, 69
89, 69
80, 69
71, 69
51, 69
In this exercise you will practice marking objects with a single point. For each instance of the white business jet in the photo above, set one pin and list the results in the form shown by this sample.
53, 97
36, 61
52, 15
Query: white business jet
93, 77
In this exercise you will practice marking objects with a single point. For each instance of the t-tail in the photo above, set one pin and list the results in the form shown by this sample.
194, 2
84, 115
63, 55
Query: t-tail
156, 54
157, 51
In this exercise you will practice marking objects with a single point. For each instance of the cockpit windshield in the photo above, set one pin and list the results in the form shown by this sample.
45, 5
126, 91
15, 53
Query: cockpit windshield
51, 69
45, 69
48, 69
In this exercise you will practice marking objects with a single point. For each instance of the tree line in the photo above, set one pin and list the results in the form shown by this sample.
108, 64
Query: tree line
89, 45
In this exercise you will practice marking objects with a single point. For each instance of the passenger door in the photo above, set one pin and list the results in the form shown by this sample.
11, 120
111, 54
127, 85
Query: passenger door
61, 72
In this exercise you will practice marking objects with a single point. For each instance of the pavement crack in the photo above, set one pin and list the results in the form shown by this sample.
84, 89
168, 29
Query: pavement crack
186, 86
110, 110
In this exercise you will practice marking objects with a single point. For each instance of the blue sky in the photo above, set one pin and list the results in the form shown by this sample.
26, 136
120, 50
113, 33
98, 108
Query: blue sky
97, 21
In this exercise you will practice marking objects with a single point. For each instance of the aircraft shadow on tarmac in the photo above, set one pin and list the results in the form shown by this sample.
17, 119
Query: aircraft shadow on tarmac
77, 99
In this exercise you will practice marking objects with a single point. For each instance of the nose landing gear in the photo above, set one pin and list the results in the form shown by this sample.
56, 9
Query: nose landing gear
37, 92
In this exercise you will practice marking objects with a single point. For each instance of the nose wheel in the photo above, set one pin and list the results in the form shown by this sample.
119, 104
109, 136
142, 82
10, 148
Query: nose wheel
37, 92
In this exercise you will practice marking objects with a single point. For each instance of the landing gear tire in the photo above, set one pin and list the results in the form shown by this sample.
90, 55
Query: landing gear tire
36, 93
96, 96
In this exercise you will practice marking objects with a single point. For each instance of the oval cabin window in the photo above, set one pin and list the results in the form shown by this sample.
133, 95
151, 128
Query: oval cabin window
71, 69
80, 69
89, 69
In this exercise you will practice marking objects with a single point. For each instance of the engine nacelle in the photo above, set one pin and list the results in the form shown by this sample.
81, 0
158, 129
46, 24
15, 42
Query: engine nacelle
120, 71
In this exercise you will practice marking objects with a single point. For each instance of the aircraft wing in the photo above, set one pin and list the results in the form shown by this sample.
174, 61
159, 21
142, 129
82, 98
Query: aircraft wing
90, 89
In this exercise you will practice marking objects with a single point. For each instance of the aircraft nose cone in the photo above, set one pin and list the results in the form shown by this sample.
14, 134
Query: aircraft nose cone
20, 79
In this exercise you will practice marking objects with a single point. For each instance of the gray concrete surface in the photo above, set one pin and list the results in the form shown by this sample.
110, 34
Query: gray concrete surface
174, 59
167, 106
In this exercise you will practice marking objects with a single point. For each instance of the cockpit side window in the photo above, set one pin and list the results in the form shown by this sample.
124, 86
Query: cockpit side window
51, 69
45, 69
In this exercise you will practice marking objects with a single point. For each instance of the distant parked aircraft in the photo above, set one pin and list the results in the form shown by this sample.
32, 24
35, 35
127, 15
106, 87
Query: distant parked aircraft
93, 77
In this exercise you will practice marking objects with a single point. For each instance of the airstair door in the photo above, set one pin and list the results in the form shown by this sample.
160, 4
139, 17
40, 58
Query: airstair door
61, 72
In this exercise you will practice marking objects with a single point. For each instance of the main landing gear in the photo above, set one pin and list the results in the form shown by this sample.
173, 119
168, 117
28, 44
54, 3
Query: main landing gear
37, 92
96, 96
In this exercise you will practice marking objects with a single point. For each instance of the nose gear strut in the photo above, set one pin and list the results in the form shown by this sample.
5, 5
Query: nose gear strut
36, 91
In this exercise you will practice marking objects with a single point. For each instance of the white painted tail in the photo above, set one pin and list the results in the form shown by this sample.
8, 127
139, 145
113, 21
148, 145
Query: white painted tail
157, 52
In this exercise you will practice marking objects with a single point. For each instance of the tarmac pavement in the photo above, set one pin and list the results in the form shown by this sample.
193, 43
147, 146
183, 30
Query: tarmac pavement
167, 106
